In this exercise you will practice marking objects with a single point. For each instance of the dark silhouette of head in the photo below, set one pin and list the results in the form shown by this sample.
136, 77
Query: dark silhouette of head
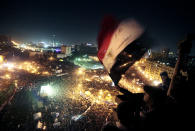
126, 114
164, 76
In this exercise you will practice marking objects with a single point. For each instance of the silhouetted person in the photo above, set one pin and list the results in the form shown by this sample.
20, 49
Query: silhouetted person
160, 114
127, 117
127, 120
165, 81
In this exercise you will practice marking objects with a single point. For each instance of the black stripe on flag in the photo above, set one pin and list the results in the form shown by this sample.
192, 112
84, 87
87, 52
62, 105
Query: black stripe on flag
132, 53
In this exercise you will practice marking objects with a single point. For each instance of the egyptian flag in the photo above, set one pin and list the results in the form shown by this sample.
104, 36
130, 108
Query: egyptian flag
120, 45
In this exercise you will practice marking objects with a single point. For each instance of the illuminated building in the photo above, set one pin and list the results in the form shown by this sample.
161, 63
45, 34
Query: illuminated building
87, 48
66, 50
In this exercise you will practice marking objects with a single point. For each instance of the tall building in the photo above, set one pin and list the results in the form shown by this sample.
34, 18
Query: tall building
53, 41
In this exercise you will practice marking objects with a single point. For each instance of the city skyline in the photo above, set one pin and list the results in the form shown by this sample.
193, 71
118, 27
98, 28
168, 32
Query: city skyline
79, 21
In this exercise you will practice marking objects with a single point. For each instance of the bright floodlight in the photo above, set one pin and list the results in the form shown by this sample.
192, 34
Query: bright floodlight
80, 71
8, 65
47, 90
156, 83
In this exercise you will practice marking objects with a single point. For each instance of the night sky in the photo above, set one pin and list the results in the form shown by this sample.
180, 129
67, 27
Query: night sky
78, 21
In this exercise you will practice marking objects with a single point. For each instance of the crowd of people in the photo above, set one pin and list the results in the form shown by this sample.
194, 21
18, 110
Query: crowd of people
60, 111
78, 113
67, 110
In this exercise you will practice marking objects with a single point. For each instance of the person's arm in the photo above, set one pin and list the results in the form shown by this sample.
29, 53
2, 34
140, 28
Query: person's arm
184, 48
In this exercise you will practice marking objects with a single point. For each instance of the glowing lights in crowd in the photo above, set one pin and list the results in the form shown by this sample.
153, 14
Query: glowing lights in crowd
153, 78
51, 58
9, 66
7, 76
131, 86
30, 67
1, 58
106, 78
80, 71
15, 43
100, 97
45, 73
156, 83
95, 96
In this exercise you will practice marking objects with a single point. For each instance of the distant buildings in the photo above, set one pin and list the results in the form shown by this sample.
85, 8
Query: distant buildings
5, 41
39, 48
80, 49
165, 57
165, 52
66, 50
86, 48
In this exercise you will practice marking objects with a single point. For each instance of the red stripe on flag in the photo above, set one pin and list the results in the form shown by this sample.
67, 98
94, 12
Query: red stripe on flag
108, 27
